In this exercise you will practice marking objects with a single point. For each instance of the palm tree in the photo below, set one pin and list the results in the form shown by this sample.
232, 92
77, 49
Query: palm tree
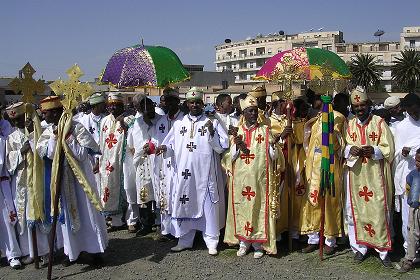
406, 70
365, 70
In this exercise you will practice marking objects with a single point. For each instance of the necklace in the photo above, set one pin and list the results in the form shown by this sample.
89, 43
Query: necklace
192, 130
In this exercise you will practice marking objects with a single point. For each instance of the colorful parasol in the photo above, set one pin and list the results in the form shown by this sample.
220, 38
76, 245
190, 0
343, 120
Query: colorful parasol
144, 66
310, 62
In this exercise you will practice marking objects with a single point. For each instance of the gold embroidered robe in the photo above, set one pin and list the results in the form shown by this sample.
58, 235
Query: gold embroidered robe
253, 194
370, 182
311, 211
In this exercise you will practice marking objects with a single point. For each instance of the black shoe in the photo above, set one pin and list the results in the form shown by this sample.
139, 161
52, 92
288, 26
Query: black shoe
387, 262
329, 250
116, 228
66, 262
406, 266
310, 248
97, 260
359, 257
144, 231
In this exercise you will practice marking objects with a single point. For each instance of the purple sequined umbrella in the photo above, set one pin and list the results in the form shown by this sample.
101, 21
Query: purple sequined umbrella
144, 66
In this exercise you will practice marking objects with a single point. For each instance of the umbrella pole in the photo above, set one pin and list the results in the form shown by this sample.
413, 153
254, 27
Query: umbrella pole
55, 216
322, 229
35, 247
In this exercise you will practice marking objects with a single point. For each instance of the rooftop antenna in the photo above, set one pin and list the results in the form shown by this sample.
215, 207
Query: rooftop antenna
378, 34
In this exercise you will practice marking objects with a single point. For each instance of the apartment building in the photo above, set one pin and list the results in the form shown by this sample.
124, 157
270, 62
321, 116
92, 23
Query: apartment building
245, 58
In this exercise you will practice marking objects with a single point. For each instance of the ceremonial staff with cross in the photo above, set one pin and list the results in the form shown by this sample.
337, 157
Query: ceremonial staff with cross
28, 87
288, 75
73, 91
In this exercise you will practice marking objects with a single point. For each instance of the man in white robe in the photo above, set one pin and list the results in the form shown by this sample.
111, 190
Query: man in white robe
92, 121
140, 195
407, 140
82, 225
112, 142
8, 218
162, 168
224, 109
196, 198
21, 162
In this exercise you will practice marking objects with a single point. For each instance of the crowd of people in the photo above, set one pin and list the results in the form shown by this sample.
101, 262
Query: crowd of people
248, 169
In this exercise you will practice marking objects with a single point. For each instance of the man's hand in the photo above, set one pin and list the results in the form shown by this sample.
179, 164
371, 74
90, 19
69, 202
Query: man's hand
210, 127
120, 119
286, 132
95, 168
368, 151
29, 124
161, 149
356, 151
405, 151
233, 130
25, 148
146, 149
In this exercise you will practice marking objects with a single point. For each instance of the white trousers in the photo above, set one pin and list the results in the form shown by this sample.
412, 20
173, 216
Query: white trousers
313, 238
247, 245
405, 209
116, 220
187, 240
132, 214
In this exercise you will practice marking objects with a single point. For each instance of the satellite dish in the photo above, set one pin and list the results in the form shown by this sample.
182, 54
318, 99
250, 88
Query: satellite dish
259, 35
281, 32
248, 38
378, 34
320, 29
311, 29
227, 41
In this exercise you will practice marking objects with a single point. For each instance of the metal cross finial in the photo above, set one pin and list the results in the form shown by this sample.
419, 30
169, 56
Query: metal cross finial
73, 90
27, 85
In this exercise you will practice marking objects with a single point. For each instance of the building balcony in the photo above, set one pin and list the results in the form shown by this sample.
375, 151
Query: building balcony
412, 48
243, 57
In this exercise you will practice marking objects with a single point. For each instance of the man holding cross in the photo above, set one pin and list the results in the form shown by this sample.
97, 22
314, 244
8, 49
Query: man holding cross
369, 152
196, 201
253, 192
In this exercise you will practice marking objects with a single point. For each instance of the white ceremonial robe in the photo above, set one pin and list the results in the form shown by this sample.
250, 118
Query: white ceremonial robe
16, 165
136, 170
227, 120
197, 197
91, 236
406, 134
92, 123
163, 171
112, 142
8, 218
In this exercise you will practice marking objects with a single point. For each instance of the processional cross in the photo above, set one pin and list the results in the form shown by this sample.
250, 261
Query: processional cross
27, 85
73, 90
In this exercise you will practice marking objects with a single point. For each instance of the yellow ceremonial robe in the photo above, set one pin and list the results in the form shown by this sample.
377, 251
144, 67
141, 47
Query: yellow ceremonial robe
278, 124
253, 194
370, 182
311, 211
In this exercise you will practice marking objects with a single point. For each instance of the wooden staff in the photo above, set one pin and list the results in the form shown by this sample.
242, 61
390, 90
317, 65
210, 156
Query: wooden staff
55, 216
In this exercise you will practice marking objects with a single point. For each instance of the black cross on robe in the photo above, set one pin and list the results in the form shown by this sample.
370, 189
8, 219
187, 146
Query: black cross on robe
183, 130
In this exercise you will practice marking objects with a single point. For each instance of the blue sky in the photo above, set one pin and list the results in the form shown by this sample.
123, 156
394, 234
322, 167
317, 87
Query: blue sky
54, 34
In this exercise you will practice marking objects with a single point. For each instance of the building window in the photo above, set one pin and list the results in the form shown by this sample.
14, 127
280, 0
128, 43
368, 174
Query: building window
355, 48
412, 43
380, 58
383, 47
341, 48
